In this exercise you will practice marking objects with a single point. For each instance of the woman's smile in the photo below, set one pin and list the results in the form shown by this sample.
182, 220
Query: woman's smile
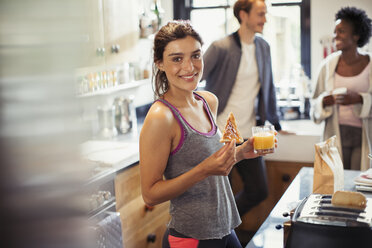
189, 77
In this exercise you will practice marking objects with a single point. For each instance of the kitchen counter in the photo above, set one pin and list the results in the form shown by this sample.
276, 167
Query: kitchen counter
298, 147
117, 153
123, 150
267, 235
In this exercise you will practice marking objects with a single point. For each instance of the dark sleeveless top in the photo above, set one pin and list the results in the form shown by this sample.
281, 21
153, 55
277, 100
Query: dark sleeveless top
207, 210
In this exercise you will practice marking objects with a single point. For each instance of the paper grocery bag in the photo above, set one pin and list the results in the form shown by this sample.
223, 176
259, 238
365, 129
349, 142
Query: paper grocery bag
328, 168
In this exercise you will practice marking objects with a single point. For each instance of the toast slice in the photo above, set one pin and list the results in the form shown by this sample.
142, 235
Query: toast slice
349, 199
231, 131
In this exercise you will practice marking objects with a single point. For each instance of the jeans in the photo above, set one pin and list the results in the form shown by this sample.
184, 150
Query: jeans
351, 141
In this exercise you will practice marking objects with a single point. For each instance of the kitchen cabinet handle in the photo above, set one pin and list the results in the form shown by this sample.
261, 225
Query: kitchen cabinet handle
286, 178
100, 51
151, 238
115, 48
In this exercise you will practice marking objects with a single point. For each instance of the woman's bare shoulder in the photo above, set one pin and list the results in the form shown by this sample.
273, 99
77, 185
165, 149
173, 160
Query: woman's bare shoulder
158, 114
159, 120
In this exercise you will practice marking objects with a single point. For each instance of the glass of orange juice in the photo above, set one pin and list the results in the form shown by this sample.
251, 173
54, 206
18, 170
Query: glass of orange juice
264, 139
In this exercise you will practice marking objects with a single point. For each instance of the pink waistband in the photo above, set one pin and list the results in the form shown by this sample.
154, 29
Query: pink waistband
176, 242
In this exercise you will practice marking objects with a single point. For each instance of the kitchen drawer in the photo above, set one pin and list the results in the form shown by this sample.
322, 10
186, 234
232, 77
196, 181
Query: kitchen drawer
280, 175
127, 185
150, 235
135, 215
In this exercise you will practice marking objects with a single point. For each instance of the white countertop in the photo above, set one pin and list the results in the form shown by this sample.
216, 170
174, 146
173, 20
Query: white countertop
117, 153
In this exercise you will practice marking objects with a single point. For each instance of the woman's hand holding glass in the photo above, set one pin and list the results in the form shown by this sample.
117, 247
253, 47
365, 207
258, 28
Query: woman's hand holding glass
351, 97
247, 151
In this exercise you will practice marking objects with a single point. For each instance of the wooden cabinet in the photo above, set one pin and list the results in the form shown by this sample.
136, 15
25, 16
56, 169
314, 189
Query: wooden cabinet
93, 34
113, 30
279, 175
142, 226
121, 28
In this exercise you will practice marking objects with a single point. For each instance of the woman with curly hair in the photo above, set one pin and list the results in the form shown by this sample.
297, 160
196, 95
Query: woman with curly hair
347, 111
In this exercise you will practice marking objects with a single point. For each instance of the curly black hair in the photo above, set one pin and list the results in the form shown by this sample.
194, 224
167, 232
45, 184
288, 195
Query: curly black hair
360, 22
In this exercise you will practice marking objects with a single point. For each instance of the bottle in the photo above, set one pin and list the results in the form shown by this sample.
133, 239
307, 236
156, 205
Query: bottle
144, 23
148, 20
158, 11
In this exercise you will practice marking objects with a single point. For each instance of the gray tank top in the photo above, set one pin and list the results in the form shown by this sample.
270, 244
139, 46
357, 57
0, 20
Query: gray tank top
207, 210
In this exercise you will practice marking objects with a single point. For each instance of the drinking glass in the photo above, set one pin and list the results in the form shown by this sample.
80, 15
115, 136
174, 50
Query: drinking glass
264, 139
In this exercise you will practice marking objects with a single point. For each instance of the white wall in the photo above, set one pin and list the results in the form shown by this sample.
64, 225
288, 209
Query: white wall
322, 24
167, 6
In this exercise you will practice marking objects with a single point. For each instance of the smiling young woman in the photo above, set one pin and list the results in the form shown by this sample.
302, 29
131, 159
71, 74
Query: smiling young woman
349, 115
181, 158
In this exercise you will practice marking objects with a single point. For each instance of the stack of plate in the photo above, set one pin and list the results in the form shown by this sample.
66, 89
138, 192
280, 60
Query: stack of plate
364, 181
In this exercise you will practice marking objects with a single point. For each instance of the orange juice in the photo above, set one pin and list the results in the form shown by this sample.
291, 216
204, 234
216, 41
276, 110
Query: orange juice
264, 139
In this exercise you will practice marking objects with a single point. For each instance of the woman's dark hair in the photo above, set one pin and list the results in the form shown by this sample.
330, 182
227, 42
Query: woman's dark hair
172, 31
359, 21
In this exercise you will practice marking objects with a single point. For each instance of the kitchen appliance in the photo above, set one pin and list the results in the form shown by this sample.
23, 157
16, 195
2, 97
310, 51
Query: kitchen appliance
106, 122
104, 221
125, 118
108, 231
317, 223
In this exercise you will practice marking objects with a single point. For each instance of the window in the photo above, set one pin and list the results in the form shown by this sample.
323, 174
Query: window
211, 18
288, 33
287, 29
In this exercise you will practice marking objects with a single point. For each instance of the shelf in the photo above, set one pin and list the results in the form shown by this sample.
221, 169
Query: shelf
111, 90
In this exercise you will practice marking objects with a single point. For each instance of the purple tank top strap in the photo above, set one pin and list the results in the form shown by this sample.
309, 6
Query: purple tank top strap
177, 116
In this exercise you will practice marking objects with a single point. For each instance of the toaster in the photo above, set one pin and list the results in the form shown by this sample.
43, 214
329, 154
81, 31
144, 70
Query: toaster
317, 223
